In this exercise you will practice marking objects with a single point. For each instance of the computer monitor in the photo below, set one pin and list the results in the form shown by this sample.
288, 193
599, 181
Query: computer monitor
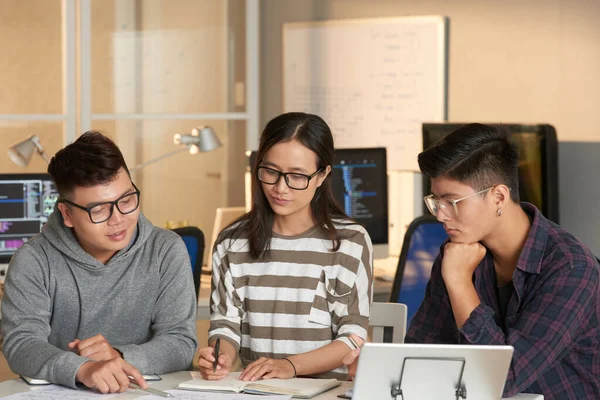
538, 165
359, 186
26, 202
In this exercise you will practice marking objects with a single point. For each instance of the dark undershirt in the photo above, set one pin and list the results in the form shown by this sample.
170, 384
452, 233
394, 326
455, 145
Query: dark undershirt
504, 294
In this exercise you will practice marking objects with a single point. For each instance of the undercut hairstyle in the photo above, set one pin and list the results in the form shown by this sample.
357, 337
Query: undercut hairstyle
477, 155
93, 159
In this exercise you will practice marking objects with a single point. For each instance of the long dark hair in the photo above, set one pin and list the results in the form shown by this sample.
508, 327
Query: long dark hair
257, 225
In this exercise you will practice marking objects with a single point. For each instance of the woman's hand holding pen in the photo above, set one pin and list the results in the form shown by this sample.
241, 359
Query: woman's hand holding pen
207, 358
351, 359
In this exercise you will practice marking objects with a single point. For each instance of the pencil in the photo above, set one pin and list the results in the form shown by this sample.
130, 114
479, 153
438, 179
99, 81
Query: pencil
356, 346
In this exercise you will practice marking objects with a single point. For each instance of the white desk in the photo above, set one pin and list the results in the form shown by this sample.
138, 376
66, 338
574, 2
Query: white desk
383, 268
170, 381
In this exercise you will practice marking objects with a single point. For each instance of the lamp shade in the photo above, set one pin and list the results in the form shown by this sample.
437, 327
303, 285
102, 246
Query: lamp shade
202, 139
21, 153
208, 140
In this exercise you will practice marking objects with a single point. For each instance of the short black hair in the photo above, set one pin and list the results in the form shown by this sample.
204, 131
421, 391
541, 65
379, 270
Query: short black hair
478, 155
93, 159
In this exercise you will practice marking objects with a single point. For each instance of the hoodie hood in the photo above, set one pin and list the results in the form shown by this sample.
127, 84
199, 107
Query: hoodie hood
63, 239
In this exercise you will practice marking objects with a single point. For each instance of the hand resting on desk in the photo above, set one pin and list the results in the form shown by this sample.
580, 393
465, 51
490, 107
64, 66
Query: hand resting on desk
107, 372
95, 348
109, 376
266, 368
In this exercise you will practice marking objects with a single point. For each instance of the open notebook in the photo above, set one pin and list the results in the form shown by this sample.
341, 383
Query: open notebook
302, 388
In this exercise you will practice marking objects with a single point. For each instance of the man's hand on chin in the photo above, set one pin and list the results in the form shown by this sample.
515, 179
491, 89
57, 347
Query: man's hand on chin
460, 261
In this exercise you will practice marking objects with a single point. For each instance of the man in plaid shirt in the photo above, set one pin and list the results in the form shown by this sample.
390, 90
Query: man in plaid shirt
508, 276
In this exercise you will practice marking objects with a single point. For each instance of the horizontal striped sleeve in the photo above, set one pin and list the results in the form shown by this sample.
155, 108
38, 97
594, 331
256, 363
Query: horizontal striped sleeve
225, 305
355, 317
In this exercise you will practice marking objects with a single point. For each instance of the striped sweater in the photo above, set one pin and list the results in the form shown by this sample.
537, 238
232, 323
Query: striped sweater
299, 298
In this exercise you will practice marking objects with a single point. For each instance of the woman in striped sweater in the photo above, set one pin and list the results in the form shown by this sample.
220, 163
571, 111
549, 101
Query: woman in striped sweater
292, 279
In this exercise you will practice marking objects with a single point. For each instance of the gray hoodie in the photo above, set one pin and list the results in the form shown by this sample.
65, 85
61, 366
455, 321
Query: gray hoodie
142, 301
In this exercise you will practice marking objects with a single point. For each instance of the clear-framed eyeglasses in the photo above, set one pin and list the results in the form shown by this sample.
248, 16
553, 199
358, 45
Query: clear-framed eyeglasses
448, 207
294, 180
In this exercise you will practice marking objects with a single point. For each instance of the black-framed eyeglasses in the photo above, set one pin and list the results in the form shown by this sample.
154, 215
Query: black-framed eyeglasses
294, 180
102, 212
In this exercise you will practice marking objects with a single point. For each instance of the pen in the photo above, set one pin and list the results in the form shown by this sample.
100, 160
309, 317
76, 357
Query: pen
149, 389
216, 362
348, 395
356, 346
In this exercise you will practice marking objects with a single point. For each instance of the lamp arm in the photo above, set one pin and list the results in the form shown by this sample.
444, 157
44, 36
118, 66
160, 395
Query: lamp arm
39, 148
145, 164
44, 156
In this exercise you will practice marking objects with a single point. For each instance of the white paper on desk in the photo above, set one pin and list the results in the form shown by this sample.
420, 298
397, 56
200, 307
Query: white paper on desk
59, 392
188, 395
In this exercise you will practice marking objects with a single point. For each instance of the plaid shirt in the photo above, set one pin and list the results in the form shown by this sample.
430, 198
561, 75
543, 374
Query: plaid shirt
552, 320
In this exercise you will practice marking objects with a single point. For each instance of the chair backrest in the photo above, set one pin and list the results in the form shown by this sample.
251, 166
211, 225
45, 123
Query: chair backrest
223, 217
421, 246
388, 315
194, 242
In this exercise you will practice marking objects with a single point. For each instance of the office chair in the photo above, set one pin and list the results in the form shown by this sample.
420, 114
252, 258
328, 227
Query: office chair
223, 217
385, 316
421, 246
194, 242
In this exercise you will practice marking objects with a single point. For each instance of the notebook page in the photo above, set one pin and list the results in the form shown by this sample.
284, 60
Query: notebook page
294, 386
231, 383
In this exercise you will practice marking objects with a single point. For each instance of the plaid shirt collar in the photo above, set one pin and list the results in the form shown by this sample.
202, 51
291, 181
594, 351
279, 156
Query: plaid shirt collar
531, 257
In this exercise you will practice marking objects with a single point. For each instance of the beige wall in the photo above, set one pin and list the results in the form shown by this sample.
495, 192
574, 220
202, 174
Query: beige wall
30, 65
30, 75
152, 56
510, 60
158, 56
531, 61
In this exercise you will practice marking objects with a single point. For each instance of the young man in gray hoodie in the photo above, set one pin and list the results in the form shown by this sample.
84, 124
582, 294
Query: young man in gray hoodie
100, 294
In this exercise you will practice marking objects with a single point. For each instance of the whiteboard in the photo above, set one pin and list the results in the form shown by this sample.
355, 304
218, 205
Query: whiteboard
374, 81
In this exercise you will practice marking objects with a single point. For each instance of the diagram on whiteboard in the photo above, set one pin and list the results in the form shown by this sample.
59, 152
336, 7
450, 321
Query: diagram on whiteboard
374, 81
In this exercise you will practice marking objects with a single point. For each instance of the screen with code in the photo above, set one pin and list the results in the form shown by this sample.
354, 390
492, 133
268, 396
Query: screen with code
359, 184
26, 202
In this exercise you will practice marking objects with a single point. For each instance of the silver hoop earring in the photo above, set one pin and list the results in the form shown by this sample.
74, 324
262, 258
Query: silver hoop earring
499, 212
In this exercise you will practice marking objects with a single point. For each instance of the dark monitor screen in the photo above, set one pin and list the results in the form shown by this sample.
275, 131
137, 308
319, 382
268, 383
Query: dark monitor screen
538, 164
26, 202
359, 185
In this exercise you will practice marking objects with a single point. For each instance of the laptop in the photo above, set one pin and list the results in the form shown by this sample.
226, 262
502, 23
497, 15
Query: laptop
431, 372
